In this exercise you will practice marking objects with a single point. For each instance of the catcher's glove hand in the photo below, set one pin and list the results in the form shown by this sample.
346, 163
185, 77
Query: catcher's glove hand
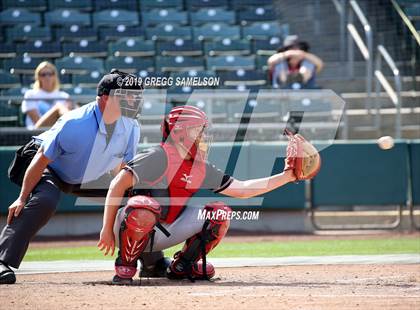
301, 157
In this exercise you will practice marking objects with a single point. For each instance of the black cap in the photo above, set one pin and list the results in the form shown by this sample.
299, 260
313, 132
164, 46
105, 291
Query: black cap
117, 79
292, 41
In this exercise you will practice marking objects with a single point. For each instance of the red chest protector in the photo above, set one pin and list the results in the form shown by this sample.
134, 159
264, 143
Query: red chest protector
184, 178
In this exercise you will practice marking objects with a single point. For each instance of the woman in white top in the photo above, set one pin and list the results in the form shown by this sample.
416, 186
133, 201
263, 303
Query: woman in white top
45, 103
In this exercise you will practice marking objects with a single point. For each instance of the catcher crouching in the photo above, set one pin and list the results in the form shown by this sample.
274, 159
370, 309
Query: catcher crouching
162, 179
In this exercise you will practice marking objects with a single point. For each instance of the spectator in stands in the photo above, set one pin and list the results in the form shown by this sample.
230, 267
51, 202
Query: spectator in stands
293, 66
45, 103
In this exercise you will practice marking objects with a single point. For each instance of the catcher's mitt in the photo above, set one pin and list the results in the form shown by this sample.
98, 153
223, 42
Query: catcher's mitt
301, 157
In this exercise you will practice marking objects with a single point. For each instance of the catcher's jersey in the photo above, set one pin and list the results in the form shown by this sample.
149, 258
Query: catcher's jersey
174, 183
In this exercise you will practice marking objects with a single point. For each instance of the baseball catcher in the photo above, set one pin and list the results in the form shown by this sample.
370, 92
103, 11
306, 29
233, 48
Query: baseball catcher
161, 181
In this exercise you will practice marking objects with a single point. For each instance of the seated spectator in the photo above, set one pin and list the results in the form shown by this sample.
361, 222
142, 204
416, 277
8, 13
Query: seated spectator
45, 103
293, 66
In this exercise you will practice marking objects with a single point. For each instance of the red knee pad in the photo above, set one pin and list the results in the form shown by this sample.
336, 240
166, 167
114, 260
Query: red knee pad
219, 224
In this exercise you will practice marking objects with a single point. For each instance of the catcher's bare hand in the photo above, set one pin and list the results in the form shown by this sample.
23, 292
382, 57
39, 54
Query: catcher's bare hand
15, 209
107, 241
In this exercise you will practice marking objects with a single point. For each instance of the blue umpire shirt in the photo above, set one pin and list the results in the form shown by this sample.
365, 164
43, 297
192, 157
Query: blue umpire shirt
78, 148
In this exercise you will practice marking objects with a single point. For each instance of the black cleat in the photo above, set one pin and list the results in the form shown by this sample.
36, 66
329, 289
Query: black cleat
7, 276
156, 271
117, 280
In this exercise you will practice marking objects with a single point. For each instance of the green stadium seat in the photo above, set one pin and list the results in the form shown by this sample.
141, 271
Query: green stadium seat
82, 95
178, 47
227, 47
25, 64
266, 46
231, 63
169, 32
256, 14
262, 30
178, 95
39, 49
89, 80
179, 63
78, 65
199, 4
81, 5
33, 5
132, 47
212, 15
215, 31
115, 17
8, 80
85, 48
9, 115
129, 64
153, 109
192, 74
120, 31
76, 33
7, 50
23, 33
146, 5
66, 17
413, 11
261, 62
243, 77
159, 16
18, 92
14, 17
246, 4
128, 5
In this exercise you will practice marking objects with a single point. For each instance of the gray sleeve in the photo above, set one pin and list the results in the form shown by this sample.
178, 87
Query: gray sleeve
216, 180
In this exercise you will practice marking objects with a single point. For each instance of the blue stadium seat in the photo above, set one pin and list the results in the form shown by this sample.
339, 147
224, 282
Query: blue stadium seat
85, 48
227, 47
168, 32
179, 63
14, 17
28, 33
215, 31
146, 5
22, 65
231, 62
82, 95
246, 4
7, 50
199, 4
89, 80
78, 65
115, 17
261, 62
193, 73
266, 46
263, 30
9, 114
212, 15
8, 80
66, 17
120, 31
81, 5
33, 5
128, 5
75, 33
256, 14
129, 64
39, 49
158, 16
243, 77
132, 47
179, 46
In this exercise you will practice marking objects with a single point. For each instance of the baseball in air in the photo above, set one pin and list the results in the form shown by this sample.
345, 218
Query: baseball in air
386, 142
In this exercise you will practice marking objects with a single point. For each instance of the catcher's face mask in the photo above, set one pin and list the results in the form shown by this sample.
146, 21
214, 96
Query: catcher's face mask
131, 101
200, 139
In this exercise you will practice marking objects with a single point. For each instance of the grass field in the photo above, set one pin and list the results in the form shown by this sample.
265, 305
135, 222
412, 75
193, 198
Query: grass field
256, 249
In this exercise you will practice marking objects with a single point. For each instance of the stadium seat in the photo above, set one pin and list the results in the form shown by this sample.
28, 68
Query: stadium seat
262, 30
266, 46
33, 5
28, 33
215, 31
179, 46
158, 16
78, 65
8, 80
179, 63
153, 109
132, 47
85, 48
129, 64
199, 4
146, 5
227, 47
178, 95
256, 14
168, 32
75, 33
82, 95
193, 73
261, 62
66, 17
9, 114
39, 49
21, 64
81, 5
150, 75
7, 50
212, 15
120, 31
230, 62
128, 5
245, 4
14, 17
115, 17
89, 80
243, 77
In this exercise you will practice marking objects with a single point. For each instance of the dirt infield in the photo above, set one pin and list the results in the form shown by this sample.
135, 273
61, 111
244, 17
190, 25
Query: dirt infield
287, 287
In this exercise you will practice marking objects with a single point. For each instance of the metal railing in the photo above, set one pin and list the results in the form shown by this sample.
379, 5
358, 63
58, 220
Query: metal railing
394, 95
365, 48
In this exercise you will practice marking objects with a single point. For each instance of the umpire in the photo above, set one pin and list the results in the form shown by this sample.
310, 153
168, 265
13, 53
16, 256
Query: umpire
85, 145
